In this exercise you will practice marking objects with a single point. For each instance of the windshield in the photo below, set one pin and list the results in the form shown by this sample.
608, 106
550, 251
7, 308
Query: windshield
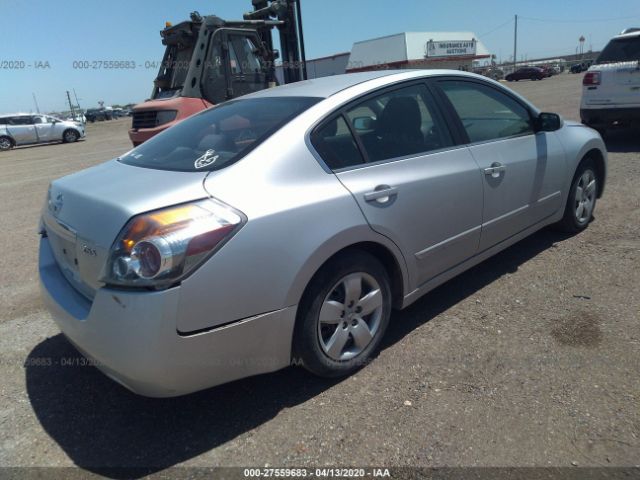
173, 70
219, 136
621, 50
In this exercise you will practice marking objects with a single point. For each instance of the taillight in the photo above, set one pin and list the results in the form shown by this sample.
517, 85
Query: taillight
591, 78
159, 248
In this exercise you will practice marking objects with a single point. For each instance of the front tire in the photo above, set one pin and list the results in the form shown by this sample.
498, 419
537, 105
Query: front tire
70, 136
581, 202
343, 315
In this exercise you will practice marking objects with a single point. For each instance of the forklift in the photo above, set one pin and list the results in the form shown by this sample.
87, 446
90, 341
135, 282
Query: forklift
209, 60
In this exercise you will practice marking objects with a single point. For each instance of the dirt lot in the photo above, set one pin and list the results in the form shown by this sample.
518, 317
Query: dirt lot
530, 359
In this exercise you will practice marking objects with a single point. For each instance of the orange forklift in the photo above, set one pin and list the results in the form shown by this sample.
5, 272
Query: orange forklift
209, 60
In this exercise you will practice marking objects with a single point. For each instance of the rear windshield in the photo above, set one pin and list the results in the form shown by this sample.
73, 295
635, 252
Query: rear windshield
621, 50
217, 137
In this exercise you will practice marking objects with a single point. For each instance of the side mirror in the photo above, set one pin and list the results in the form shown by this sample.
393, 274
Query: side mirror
364, 123
548, 122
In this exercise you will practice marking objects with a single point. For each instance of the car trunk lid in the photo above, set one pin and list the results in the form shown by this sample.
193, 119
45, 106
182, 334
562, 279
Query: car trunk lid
86, 211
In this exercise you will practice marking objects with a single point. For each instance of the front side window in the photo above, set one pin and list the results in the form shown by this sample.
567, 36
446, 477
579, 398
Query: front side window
486, 113
398, 123
219, 136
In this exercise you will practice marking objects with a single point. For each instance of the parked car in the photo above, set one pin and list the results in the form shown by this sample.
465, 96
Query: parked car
611, 87
80, 118
580, 67
26, 129
491, 72
287, 224
98, 115
526, 73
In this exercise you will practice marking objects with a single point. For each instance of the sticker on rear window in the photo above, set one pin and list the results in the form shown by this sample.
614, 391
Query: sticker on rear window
209, 158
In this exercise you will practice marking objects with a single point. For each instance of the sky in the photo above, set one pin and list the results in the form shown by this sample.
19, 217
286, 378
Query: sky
41, 41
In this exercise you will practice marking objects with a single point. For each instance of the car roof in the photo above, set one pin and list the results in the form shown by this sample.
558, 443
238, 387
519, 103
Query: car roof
325, 87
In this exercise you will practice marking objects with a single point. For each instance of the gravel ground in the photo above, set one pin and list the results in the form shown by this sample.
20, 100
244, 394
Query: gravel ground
529, 359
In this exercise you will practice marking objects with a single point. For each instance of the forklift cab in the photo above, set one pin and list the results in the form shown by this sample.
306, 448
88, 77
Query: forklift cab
233, 65
206, 59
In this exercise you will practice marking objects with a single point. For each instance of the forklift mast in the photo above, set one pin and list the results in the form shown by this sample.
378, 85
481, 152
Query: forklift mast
291, 34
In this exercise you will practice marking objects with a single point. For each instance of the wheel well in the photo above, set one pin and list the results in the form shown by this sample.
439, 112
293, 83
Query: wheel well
389, 262
598, 159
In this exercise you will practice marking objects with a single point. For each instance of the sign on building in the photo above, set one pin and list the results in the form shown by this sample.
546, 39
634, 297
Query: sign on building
451, 48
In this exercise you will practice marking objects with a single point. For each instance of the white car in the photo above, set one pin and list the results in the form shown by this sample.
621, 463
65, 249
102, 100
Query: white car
27, 129
611, 86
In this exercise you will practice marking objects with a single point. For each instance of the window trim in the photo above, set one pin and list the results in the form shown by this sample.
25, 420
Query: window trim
342, 110
455, 117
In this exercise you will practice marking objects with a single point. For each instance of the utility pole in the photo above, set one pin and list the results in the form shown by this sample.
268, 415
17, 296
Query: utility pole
73, 112
36, 102
77, 101
515, 44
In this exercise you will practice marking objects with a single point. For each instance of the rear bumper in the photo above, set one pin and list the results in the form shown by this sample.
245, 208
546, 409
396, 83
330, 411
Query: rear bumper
608, 116
131, 336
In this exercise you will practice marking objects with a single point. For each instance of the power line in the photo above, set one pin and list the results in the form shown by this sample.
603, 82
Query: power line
496, 28
595, 20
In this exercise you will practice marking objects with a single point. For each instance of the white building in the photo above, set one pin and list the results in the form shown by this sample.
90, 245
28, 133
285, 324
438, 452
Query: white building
454, 50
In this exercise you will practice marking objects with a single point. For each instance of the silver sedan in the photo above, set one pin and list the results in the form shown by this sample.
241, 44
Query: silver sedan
285, 226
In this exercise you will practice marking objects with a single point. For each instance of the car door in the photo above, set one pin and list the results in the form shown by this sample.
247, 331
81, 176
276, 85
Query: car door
393, 151
247, 73
45, 128
522, 170
22, 130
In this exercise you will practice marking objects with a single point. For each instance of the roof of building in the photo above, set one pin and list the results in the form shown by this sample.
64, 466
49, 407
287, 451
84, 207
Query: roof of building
405, 47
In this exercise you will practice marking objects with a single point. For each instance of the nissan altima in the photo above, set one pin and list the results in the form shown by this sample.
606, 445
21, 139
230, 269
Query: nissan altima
287, 225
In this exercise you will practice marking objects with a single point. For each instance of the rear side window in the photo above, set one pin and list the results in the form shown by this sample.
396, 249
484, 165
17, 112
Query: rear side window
3, 121
621, 50
336, 145
486, 113
21, 120
398, 123
217, 137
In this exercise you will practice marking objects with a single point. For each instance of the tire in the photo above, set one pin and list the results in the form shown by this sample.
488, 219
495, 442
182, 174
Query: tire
581, 202
348, 337
70, 136
6, 143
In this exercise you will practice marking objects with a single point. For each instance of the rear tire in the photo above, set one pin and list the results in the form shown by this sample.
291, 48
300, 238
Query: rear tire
6, 143
343, 315
581, 203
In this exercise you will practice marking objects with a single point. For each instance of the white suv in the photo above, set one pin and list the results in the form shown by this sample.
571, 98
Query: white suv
611, 86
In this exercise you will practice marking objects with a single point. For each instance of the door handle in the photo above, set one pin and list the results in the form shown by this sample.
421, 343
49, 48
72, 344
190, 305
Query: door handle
381, 194
495, 170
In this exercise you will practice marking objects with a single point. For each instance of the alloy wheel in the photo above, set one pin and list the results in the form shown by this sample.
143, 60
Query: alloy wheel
585, 196
350, 316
